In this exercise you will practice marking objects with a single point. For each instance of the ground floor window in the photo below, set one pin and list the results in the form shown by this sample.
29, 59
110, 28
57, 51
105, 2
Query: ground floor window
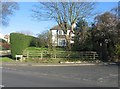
62, 43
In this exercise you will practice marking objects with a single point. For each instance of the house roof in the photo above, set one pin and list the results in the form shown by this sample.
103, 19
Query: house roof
57, 27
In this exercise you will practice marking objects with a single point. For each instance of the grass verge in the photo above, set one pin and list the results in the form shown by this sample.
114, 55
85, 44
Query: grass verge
6, 59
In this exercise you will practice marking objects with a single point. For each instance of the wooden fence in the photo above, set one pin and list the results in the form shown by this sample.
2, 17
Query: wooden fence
88, 55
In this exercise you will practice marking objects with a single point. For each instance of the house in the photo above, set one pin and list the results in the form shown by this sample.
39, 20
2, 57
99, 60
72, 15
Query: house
58, 36
4, 41
5, 37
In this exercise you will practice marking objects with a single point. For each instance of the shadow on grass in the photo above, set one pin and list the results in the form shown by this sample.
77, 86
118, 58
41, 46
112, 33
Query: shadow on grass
6, 58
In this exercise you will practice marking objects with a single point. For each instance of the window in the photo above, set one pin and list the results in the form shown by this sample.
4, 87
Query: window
62, 43
60, 32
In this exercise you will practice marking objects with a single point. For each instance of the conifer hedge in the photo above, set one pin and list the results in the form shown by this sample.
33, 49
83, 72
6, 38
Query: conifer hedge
19, 42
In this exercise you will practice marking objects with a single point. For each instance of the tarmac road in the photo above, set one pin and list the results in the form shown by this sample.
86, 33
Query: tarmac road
60, 76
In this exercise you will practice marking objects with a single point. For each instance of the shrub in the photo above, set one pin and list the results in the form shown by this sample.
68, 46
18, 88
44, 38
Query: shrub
117, 51
35, 42
5, 46
19, 42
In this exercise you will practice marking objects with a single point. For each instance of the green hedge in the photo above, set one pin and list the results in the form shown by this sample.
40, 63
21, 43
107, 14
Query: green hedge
19, 42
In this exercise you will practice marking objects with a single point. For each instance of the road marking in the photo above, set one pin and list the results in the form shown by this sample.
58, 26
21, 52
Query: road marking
114, 75
86, 79
100, 79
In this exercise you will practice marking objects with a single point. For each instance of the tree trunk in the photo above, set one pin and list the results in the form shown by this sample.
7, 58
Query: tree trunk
68, 37
68, 45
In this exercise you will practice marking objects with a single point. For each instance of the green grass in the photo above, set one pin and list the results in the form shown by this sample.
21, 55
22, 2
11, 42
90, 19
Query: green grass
36, 48
38, 60
6, 59
43, 49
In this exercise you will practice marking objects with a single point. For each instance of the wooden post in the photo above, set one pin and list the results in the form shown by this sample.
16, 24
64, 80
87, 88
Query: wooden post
94, 55
41, 55
55, 55
50, 55
16, 58
21, 58
27, 54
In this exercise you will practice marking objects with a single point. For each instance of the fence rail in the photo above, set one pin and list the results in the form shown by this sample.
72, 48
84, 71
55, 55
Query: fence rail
88, 55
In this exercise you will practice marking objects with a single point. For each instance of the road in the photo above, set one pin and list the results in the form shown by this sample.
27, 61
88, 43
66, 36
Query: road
60, 76
0, 76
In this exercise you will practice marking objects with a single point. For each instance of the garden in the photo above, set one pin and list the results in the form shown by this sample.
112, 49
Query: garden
93, 41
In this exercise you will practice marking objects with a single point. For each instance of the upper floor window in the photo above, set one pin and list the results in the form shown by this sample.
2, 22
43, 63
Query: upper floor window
60, 32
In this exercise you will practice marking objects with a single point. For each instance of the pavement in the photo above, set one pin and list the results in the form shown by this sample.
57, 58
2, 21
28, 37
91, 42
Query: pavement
53, 64
57, 64
45, 64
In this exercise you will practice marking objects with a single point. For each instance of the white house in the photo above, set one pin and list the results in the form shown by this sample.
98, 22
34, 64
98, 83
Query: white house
58, 36
5, 37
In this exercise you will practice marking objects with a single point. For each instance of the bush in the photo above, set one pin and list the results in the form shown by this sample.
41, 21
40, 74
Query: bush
35, 42
4, 45
19, 42
117, 51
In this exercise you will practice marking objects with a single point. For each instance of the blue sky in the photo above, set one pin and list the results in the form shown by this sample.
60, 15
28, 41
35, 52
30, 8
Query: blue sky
22, 20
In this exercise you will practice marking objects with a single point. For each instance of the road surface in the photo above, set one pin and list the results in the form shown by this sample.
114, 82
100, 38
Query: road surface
60, 76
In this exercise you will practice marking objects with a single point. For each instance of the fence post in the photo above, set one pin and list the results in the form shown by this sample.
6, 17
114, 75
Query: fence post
27, 54
82, 55
41, 55
94, 55
55, 55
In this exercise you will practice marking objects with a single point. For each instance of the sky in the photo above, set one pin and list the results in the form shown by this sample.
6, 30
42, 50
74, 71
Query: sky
22, 21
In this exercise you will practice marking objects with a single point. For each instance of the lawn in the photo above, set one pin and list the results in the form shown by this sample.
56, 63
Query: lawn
43, 49
6, 59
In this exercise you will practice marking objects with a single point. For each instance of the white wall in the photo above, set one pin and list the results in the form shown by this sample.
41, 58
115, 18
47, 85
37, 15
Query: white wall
54, 37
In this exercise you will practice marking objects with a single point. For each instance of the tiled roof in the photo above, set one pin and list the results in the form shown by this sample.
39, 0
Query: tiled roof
57, 27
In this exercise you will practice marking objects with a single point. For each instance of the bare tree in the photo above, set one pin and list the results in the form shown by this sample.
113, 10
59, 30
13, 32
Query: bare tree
7, 8
44, 38
106, 20
64, 13
105, 34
